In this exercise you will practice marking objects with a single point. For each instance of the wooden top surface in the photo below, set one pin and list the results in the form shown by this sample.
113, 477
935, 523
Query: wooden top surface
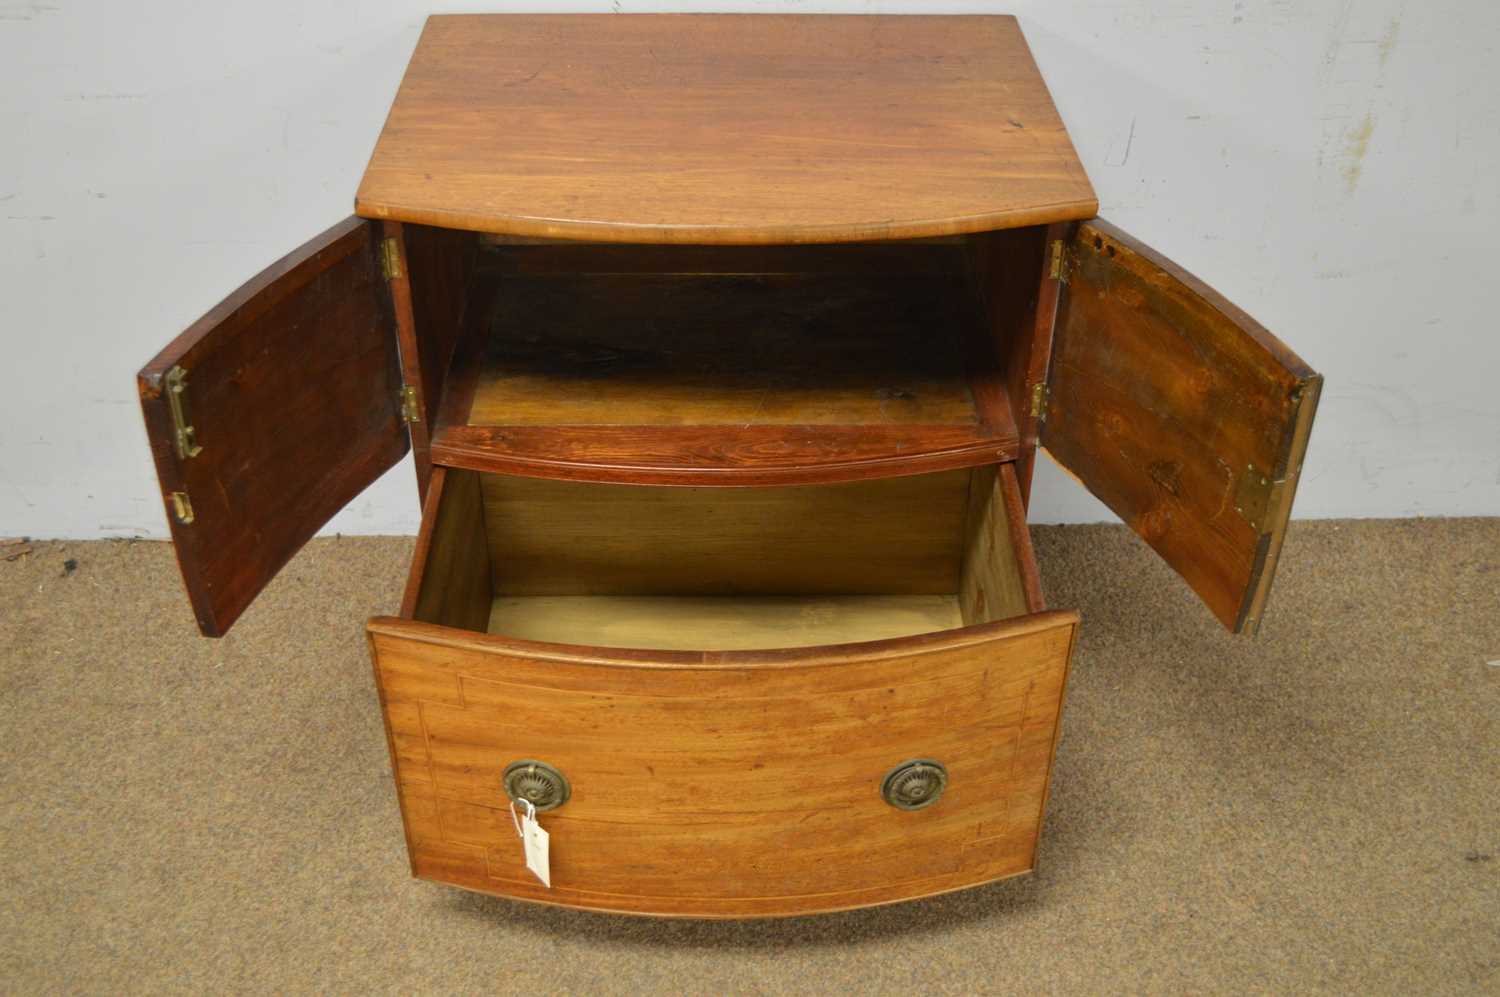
717, 128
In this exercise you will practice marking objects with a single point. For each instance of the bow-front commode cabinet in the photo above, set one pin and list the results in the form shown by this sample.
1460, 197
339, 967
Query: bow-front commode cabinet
724, 346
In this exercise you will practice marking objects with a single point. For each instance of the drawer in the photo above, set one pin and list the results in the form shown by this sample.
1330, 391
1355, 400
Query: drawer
726, 678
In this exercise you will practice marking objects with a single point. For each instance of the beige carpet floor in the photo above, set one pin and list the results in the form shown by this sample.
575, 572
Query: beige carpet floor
1317, 809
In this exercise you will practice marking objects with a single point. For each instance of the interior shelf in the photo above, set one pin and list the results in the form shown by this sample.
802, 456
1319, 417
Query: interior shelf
723, 367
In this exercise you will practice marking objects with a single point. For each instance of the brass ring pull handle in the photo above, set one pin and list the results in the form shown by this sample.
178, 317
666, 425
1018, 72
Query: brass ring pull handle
537, 783
914, 784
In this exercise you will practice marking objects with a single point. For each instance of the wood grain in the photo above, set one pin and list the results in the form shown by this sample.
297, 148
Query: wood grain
1164, 395
429, 293
680, 763
1006, 274
1273, 533
892, 536
720, 622
730, 350
836, 363
450, 580
292, 386
990, 577
943, 255
438, 264
720, 456
1013, 276
723, 129
1009, 490
709, 569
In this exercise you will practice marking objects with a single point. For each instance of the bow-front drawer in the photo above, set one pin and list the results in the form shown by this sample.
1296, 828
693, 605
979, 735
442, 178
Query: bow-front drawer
724, 702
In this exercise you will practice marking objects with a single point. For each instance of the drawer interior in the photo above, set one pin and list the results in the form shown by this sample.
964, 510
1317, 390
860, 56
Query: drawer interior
635, 566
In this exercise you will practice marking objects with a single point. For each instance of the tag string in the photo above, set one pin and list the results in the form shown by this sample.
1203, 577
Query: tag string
530, 815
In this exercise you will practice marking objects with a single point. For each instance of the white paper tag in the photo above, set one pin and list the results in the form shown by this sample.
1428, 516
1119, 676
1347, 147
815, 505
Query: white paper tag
534, 839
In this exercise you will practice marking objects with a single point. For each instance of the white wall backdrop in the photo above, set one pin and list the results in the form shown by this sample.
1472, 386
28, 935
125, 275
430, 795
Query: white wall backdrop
1329, 164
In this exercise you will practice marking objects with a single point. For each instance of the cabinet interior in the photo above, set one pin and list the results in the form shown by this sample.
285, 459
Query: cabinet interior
795, 355
722, 568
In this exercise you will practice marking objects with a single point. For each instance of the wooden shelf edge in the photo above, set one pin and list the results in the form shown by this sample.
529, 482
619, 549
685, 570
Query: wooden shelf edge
783, 233
720, 456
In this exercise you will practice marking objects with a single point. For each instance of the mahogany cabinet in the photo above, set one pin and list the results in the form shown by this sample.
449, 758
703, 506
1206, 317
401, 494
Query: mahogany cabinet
724, 345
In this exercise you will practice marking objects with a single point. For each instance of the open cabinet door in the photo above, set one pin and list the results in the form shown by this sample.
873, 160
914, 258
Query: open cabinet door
1179, 412
271, 412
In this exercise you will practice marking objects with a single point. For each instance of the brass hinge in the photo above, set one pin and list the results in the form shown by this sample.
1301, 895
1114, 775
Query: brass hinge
1059, 268
390, 258
1258, 498
182, 507
1041, 398
409, 411
184, 436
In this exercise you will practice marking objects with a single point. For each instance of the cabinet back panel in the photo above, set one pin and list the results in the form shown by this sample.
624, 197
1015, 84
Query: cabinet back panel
727, 350
890, 536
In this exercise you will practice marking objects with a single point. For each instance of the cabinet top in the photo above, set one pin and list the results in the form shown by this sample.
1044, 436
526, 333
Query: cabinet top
723, 128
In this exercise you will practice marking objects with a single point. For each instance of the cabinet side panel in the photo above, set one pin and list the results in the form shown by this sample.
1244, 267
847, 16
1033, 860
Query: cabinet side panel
439, 262
1011, 270
450, 580
999, 576
428, 270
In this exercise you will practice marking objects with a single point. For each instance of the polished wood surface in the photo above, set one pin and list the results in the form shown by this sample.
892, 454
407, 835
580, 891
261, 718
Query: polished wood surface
420, 430
725, 784
1164, 396
1013, 276
428, 288
438, 264
719, 456
292, 385
723, 129
1002, 270
720, 622
893, 536
727, 366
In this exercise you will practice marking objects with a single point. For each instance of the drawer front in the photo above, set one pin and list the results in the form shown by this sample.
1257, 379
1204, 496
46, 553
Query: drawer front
730, 784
